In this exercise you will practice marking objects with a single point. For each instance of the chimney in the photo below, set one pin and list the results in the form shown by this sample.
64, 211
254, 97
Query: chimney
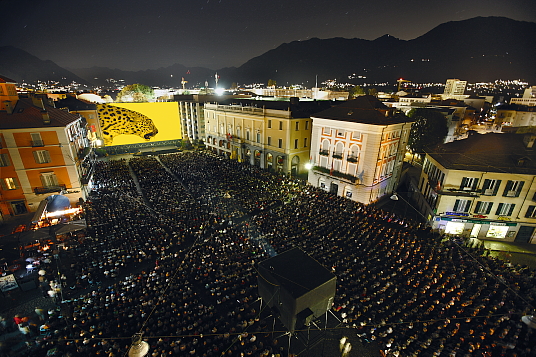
46, 117
7, 105
38, 102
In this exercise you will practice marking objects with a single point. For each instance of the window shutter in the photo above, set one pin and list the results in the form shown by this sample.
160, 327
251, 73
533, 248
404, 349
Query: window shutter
530, 211
464, 183
456, 204
496, 188
498, 212
511, 210
486, 185
36, 157
488, 209
509, 185
475, 184
478, 205
519, 188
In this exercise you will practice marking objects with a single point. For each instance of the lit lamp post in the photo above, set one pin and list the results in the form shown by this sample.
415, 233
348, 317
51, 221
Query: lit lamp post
138, 348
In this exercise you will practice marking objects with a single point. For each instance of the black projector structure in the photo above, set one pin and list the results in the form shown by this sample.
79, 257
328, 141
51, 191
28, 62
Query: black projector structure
296, 287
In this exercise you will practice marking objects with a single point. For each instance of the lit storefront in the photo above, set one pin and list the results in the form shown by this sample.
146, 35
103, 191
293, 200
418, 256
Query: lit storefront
476, 228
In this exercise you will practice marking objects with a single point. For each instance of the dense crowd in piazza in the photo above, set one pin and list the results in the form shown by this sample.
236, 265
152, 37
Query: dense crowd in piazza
176, 261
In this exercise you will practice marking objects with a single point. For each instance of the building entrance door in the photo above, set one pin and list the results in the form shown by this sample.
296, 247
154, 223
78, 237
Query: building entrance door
524, 234
334, 188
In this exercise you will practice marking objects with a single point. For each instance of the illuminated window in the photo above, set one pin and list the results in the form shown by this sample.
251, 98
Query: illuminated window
505, 209
42, 156
4, 160
462, 206
469, 183
9, 183
483, 207
513, 188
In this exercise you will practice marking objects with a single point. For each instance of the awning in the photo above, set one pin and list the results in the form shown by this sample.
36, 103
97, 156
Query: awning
39, 213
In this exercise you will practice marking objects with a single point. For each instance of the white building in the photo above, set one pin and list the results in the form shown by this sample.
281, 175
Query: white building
357, 149
454, 89
529, 97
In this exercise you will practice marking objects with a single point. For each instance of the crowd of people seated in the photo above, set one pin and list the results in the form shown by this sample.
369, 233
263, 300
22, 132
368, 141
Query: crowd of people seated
173, 242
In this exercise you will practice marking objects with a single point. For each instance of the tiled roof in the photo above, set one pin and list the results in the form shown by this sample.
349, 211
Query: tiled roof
365, 109
6, 80
75, 104
26, 115
491, 152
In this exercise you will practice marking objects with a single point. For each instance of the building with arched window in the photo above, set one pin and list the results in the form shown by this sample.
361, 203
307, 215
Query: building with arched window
274, 135
357, 149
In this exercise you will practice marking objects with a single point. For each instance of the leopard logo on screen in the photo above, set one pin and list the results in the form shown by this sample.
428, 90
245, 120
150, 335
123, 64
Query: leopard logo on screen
117, 121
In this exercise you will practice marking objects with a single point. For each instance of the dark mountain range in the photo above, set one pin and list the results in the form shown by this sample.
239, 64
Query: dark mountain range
22, 67
481, 49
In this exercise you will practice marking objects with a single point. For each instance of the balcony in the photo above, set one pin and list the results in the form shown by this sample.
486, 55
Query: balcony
37, 143
352, 159
324, 152
48, 189
337, 155
335, 173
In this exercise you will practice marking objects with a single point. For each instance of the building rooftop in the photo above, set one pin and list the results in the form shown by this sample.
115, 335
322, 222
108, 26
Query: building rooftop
4, 79
365, 109
493, 152
298, 108
27, 115
75, 104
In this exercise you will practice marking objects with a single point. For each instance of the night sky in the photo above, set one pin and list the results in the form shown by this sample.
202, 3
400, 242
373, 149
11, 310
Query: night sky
134, 35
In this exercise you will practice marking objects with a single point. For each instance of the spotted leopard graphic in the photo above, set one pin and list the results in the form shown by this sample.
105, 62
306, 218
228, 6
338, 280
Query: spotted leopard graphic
116, 121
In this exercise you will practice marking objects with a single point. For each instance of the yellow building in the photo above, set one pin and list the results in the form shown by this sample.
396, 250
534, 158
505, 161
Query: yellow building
482, 187
44, 151
275, 135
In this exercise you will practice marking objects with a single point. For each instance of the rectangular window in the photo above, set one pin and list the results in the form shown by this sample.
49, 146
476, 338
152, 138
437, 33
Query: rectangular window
247, 134
462, 206
36, 139
326, 131
258, 137
340, 132
356, 135
9, 183
513, 188
490, 187
483, 207
269, 123
505, 209
280, 125
4, 160
280, 143
469, 183
42, 156
270, 140
297, 125
295, 143
304, 142
49, 179
307, 125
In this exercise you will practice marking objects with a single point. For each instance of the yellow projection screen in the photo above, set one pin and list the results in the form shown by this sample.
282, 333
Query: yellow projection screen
134, 123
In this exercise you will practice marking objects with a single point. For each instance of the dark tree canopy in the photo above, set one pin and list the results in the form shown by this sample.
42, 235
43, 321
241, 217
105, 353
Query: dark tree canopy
135, 93
429, 128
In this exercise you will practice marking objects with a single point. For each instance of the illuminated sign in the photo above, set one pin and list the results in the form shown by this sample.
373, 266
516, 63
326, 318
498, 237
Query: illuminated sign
135, 123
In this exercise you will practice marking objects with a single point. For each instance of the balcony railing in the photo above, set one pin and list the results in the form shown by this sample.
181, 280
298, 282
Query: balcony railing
337, 155
352, 159
48, 189
324, 152
37, 143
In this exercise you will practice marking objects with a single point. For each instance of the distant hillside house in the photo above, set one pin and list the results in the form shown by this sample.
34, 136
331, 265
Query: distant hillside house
482, 187
357, 149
